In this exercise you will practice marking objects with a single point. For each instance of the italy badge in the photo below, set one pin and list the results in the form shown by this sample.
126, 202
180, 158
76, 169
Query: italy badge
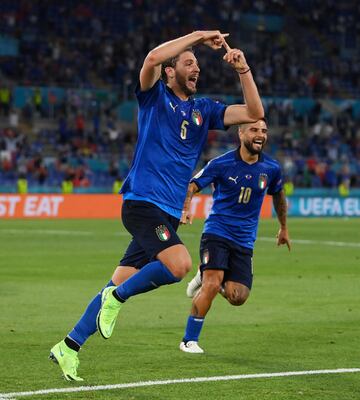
197, 117
162, 233
263, 178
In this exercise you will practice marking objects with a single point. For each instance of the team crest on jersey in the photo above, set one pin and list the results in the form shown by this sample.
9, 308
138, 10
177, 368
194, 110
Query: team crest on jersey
162, 233
205, 257
263, 178
197, 117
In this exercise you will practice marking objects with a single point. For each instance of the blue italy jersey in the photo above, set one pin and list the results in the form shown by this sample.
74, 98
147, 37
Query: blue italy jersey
171, 135
239, 192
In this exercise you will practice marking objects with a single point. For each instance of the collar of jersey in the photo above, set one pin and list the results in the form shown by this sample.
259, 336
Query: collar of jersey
172, 92
238, 157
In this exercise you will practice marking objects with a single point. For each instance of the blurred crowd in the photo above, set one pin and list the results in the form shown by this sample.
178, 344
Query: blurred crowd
81, 151
302, 47
325, 154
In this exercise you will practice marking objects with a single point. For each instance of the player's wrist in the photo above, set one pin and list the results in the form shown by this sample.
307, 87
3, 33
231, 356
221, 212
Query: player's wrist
199, 36
242, 71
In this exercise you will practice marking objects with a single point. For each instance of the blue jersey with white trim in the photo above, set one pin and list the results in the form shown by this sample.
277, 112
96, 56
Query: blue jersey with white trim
171, 136
238, 196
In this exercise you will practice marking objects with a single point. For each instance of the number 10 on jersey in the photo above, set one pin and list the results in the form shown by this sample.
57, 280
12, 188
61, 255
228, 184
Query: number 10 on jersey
244, 196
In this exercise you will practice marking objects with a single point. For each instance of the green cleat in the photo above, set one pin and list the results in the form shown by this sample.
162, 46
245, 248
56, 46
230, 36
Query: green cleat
67, 359
109, 310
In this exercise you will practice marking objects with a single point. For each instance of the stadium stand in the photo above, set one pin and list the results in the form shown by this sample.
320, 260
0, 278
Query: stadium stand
68, 70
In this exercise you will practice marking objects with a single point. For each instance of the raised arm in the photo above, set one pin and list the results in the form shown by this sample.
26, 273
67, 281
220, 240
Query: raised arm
253, 109
186, 216
280, 205
151, 69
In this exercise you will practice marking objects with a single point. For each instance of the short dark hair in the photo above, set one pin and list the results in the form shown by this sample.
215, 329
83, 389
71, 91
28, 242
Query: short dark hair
171, 62
242, 126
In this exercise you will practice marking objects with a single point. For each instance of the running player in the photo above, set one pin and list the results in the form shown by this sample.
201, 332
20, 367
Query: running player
241, 179
172, 128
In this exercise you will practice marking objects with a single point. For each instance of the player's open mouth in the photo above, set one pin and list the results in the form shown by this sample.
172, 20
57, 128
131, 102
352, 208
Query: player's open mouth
259, 143
193, 80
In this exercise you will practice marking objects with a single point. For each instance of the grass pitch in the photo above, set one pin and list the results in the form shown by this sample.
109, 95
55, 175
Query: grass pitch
303, 314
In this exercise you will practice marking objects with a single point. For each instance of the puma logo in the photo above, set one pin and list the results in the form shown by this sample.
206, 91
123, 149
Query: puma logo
173, 107
233, 179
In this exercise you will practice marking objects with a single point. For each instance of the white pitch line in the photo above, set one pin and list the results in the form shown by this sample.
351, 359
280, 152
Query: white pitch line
317, 242
14, 395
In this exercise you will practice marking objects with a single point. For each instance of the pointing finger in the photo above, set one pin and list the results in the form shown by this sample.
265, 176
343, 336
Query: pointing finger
227, 47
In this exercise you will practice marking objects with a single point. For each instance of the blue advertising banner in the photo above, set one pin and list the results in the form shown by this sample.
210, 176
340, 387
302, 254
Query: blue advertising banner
300, 206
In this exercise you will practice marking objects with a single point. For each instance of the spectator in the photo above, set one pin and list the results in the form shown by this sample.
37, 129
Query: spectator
117, 185
14, 119
344, 188
5, 100
80, 125
37, 99
81, 180
67, 186
22, 185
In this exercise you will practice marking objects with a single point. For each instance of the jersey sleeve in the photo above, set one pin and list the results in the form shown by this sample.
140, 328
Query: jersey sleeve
217, 111
206, 176
148, 97
276, 183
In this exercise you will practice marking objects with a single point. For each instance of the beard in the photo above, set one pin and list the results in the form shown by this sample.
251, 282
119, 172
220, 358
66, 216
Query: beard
250, 148
181, 80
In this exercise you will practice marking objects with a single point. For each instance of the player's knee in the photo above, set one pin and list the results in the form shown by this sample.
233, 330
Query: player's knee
182, 267
237, 296
211, 287
177, 259
237, 300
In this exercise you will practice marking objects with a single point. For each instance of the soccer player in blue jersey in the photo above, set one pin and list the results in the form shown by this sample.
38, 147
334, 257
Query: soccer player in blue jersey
172, 130
241, 179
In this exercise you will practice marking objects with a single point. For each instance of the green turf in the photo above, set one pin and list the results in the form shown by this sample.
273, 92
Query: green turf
303, 314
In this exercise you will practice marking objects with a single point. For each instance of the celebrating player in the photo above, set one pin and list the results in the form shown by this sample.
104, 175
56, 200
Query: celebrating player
241, 178
172, 128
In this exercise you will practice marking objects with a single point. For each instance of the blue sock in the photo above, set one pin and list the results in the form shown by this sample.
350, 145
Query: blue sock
86, 325
150, 277
193, 328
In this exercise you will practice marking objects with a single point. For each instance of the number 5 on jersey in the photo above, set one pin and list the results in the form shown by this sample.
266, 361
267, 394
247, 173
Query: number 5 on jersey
183, 131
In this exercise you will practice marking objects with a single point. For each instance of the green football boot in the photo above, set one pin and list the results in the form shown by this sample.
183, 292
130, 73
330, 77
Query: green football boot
67, 359
109, 310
